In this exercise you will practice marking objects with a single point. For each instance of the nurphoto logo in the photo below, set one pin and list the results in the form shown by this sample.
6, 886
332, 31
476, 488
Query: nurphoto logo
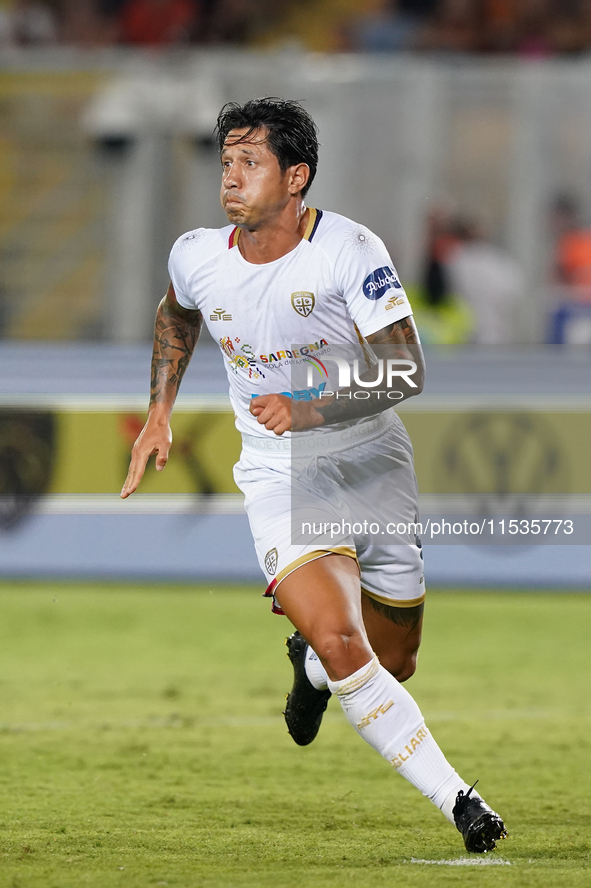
386, 369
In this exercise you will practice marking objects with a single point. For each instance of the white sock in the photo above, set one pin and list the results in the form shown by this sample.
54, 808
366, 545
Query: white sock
387, 717
315, 670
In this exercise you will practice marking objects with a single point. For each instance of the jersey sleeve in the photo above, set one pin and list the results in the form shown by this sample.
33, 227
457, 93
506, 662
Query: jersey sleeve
179, 270
368, 281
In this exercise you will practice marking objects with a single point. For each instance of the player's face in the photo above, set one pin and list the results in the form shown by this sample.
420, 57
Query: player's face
254, 188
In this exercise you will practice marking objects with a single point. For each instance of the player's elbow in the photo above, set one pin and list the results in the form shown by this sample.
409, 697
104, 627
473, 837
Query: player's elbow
419, 381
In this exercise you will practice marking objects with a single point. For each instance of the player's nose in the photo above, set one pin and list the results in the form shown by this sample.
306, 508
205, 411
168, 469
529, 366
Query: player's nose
231, 178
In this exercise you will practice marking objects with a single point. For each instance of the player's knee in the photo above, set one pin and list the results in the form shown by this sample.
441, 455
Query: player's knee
337, 648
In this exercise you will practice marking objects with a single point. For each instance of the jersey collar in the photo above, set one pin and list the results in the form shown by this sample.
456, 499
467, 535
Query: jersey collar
313, 222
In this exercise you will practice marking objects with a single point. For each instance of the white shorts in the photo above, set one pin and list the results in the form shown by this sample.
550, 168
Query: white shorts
354, 491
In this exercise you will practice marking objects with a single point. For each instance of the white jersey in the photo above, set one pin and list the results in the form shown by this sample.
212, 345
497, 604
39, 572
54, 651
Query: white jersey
338, 284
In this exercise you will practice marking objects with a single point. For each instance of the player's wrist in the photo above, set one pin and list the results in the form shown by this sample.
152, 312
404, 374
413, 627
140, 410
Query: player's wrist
304, 415
159, 415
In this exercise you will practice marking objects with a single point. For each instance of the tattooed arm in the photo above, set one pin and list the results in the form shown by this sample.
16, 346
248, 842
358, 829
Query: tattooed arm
399, 342
175, 337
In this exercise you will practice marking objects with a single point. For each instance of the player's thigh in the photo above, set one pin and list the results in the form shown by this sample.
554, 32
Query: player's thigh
268, 489
322, 598
394, 633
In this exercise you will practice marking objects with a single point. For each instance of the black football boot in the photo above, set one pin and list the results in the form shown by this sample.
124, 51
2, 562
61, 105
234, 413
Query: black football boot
305, 705
479, 825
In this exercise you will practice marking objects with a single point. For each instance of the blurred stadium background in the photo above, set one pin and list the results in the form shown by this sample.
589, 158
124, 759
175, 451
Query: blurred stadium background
459, 130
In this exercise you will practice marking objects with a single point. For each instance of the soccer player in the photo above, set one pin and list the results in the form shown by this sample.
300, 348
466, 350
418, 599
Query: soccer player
282, 274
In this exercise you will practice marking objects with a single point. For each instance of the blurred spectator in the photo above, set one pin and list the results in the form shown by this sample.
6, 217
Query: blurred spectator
33, 23
454, 27
27, 23
489, 280
82, 23
573, 248
158, 22
232, 21
5, 24
441, 242
535, 27
391, 25
110, 8
500, 25
567, 33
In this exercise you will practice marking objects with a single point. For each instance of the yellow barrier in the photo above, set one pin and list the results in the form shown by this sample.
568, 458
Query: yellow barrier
458, 451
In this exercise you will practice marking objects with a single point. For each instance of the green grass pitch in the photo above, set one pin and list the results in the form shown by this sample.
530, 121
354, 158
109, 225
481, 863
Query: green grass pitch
142, 744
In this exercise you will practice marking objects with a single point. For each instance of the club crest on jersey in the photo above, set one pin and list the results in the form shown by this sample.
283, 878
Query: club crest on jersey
303, 302
271, 561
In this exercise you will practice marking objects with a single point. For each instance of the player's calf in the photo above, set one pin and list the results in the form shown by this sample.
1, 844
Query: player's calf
401, 665
394, 633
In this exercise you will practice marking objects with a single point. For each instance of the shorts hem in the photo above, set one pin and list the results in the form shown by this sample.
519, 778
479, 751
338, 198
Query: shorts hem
303, 559
394, 602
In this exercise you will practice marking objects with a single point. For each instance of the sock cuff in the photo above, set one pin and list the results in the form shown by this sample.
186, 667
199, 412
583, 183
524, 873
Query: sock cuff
315, 670
355, 681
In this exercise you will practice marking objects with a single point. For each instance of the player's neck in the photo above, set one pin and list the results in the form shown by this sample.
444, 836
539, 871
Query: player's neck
277, 238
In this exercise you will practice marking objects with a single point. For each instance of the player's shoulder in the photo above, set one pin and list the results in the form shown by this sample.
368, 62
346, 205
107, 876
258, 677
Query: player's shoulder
337, 234
197, 247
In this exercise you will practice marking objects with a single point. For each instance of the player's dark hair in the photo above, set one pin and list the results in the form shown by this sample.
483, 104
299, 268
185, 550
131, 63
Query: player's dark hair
292, 134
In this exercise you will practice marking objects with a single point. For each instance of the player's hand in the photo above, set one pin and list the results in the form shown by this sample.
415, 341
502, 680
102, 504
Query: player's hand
154, 438
280, 414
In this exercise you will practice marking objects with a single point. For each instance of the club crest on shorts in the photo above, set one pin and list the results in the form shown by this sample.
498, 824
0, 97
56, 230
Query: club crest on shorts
303, 302
271, 561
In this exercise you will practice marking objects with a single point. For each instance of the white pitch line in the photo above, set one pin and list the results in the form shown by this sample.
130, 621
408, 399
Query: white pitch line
465, 861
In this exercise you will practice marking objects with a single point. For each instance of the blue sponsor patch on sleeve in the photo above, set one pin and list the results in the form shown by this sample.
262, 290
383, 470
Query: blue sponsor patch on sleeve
379, 282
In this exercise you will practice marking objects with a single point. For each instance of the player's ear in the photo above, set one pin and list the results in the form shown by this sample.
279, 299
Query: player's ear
298, 178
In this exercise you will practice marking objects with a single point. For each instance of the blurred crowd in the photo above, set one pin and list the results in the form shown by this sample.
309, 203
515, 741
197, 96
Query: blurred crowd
464, 267
529, 28
141, 23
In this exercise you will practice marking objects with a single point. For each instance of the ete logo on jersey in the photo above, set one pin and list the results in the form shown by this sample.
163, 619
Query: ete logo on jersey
392, 301
303, 302
220, 314
271, 561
